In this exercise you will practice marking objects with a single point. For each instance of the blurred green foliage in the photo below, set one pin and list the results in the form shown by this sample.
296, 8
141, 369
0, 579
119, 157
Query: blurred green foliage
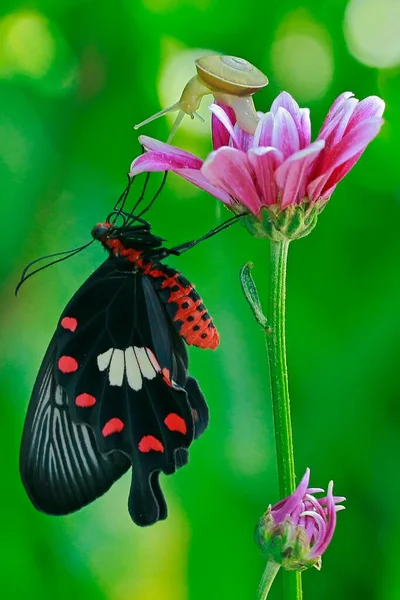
75, 75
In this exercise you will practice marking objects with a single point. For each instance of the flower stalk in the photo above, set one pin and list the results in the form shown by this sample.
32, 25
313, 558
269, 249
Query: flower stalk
276, 346
267, 580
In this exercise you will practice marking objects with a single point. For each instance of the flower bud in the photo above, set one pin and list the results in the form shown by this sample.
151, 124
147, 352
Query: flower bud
295, 532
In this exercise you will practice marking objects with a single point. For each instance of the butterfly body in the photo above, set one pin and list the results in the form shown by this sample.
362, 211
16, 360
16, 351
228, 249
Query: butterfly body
113, 389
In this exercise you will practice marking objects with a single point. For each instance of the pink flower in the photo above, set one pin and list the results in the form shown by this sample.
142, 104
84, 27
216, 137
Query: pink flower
296, 531
278, 167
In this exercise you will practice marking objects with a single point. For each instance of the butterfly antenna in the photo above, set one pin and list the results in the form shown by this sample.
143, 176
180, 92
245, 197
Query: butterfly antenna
68, 253
158, 192
140, 199
119, 207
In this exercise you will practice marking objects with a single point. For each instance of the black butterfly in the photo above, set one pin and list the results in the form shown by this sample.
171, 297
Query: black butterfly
113, 390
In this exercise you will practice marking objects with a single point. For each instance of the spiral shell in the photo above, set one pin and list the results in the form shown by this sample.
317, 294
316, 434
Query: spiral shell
230, 75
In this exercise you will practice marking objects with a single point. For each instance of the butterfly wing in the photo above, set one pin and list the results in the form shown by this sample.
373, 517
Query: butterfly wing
122, 369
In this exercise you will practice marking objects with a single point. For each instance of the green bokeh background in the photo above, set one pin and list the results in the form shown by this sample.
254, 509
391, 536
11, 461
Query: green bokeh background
74, 77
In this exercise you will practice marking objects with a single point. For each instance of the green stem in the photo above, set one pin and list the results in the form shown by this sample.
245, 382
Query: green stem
267, 580
276, 345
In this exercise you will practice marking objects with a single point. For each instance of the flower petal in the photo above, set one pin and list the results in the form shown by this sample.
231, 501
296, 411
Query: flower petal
263, 133
229, 170
343, 156
244, 140
285, 100
333, 132
197, 178
225, 129
292, 175
305, 125
264, 162
336, 106
291, 502
323, 543
162, 157
285, 136
151, 144
300, 116
370, 107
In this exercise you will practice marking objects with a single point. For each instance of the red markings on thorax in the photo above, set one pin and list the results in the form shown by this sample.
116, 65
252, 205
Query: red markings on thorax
114, 425
175, 423
149, 442
69, 323
85, 400
67, 364
119, 250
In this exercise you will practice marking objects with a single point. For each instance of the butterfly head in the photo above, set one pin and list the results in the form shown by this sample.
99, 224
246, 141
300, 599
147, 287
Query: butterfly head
102, 231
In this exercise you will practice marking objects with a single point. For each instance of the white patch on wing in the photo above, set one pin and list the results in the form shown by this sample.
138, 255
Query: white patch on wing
132, 370
103, 360
134, 363
145, 365
117, 368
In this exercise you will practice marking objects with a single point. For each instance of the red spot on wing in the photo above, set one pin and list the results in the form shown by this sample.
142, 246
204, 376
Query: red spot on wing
114, 425
167, 376
67, 364
85, 400
175, 423
69, 323
149, 442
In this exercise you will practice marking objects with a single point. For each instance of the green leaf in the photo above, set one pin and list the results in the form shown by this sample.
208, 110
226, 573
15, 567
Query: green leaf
251, 294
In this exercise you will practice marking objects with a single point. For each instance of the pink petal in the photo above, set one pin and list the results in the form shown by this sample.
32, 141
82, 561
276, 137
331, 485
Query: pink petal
162, 161
244, 139
285, 100
336, 106
150, 143
305, 125
323, 543
264, 162
220, 134
292, 175
219, 114
263, 133
353, 142
333, 132
370, 107
229, 170
197, 178
291, 502
342, 157
284, 134
301, 117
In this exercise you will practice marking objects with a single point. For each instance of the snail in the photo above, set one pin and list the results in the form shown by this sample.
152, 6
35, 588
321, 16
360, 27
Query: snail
231, 80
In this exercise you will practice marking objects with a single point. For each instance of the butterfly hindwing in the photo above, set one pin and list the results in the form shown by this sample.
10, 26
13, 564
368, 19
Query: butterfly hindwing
61, 467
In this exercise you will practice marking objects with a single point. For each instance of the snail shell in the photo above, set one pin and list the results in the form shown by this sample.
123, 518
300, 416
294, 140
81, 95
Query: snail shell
230, 75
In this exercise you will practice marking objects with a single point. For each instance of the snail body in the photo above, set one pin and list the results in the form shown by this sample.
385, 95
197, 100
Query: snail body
231, 81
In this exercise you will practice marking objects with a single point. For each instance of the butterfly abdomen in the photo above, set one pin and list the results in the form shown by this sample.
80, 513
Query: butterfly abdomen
184, 305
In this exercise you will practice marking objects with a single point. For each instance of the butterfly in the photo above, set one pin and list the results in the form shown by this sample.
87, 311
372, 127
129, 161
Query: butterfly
113, 391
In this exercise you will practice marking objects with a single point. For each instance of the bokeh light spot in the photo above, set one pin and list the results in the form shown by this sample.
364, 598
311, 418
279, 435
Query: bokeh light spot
28, 46
302, 58
372, 32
